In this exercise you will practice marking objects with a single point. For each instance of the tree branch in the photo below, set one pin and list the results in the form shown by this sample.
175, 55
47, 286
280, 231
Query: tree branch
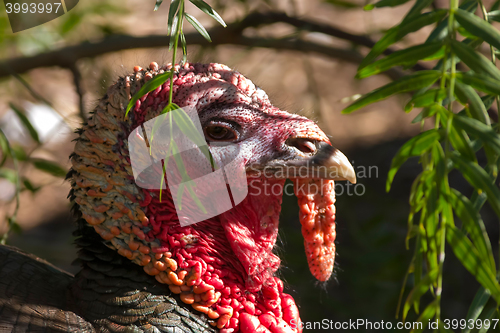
233, 34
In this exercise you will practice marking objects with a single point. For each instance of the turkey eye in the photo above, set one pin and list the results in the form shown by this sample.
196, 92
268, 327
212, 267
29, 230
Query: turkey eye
220, 133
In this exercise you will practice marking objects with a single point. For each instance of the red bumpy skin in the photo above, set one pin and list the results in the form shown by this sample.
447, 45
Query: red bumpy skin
224, 266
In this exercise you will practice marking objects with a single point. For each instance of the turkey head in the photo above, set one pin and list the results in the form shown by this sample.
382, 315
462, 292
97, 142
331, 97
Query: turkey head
224, 266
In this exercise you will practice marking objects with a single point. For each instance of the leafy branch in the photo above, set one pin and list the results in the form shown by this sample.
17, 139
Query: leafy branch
453, 144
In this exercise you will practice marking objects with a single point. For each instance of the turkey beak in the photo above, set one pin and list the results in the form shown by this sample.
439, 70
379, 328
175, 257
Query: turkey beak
308, 159
322, 161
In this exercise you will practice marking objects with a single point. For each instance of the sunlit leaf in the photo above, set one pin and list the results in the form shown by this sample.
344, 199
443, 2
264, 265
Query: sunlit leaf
197, 25
149, 86
468, 255
205, 7
480, 180
416, 81
398, 32
413, 147
407, 56
419, 290
158, 4
468, 96
172, 10
49, 167
474, 225
478, 27
477, 306
483, 132
426, 315
385, 3
475, 60
9, 174
426, 98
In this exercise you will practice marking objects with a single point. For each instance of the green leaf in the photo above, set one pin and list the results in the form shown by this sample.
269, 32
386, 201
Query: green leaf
342, 4
197, 25
483, 132
480, 82
5, 146
19, 152
416, 81
490, 314
188, 128
480, 180
468, 96
407, 56
25, 121
494, 15
49, 167
158, 4
389, 3
474, 225
398, 32
475, 60
477, 306
426, 315
71, 21
29, 186
419, 290
471, 260
205, 7
426, 98
460, 141
413, 147
172, 10
9, 174
149, 86
441, 31
478, 27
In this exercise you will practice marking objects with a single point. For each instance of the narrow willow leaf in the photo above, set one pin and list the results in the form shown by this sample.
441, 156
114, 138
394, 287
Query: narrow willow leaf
398, 32
490, 314
149, 86
29, 186
470, 259
417, 8
480, 82
413, 147
475, 60
9, 174
494, 16
5, 147
407, 56
478, 27
426, 315
184, 47
205, 7
158, 4
477, 306
188, 128
172, 10
474, 225
342, 4
19, 152
441, 31
427, 98
25, 121
197, 25
488, 101
483, 132
419, 290
49, 167
385, 3
460, 141
416, 81
425, 113
480, 180
468, 96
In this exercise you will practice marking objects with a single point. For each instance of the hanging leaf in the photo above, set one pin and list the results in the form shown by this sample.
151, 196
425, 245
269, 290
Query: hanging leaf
407, 57
398, 32
205, 7
197, 25
413, 147
416, 81
471, 260
483, 132
478, 27
468, 96
477, 306
49, 167
25, 121
149, 86
475, 60
172, 10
